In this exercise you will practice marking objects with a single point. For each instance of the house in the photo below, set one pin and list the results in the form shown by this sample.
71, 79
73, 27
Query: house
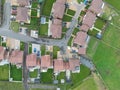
84, 28
22, 15
56, 30
61, 1
80, 39
31, 61
74, 65
58, 9
45, 63
61, 66
89, 19
57, 21
16, 57
2, 53
96, 6
82, 51
20, 2
58, 65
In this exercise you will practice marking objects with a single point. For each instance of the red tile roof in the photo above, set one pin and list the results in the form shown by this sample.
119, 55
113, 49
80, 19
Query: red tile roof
57, 21
45, 62
56, 30
2, 53
58, 10
16, 57
82, 51
96, 6
22, 14
73, 64
80, 38
58, 65
23, 2
61, 1
31, 60
89, 19
84, 28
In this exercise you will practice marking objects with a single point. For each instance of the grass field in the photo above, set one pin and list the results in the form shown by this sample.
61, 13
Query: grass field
43, 30
46, 9
67, 18
114, 3
11, 86
4, 72
70, 12
55, 50
15, 73
43, 49
88, 84
46, 77
14, 26
99, 24
34, 73
106, 56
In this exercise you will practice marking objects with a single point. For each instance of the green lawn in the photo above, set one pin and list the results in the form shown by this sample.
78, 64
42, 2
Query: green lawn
30, 48
34, 4
22, 46
64, 29
70, 41
55, 50
11, 86
61, 76
47, 77
34, 24
107, 57
70, 12
15, 73
75, 31
99, 24
79, 1
43, 30
47, 6
78, 77
4, 44
34, 12
4, 70
34, 73
14, 26
43, 50
88, 84
92, 32
67, 18
114, 3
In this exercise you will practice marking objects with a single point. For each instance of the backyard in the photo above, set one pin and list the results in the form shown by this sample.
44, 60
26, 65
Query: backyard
47, 77
11, 86
106, 56
67, 18
4, 70
47, 6
43, 49
15, 73
88, 84
33, 74
55, 50
43, 30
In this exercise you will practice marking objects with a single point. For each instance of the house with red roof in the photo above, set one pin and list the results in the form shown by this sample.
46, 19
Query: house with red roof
89, 19
2, 53
96, 6
16, 57
20, 2
80, 39
61, 66
46, 63
32, 62
58, 9
22, 15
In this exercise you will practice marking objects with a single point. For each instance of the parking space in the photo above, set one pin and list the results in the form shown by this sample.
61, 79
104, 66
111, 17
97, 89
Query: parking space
36, 49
